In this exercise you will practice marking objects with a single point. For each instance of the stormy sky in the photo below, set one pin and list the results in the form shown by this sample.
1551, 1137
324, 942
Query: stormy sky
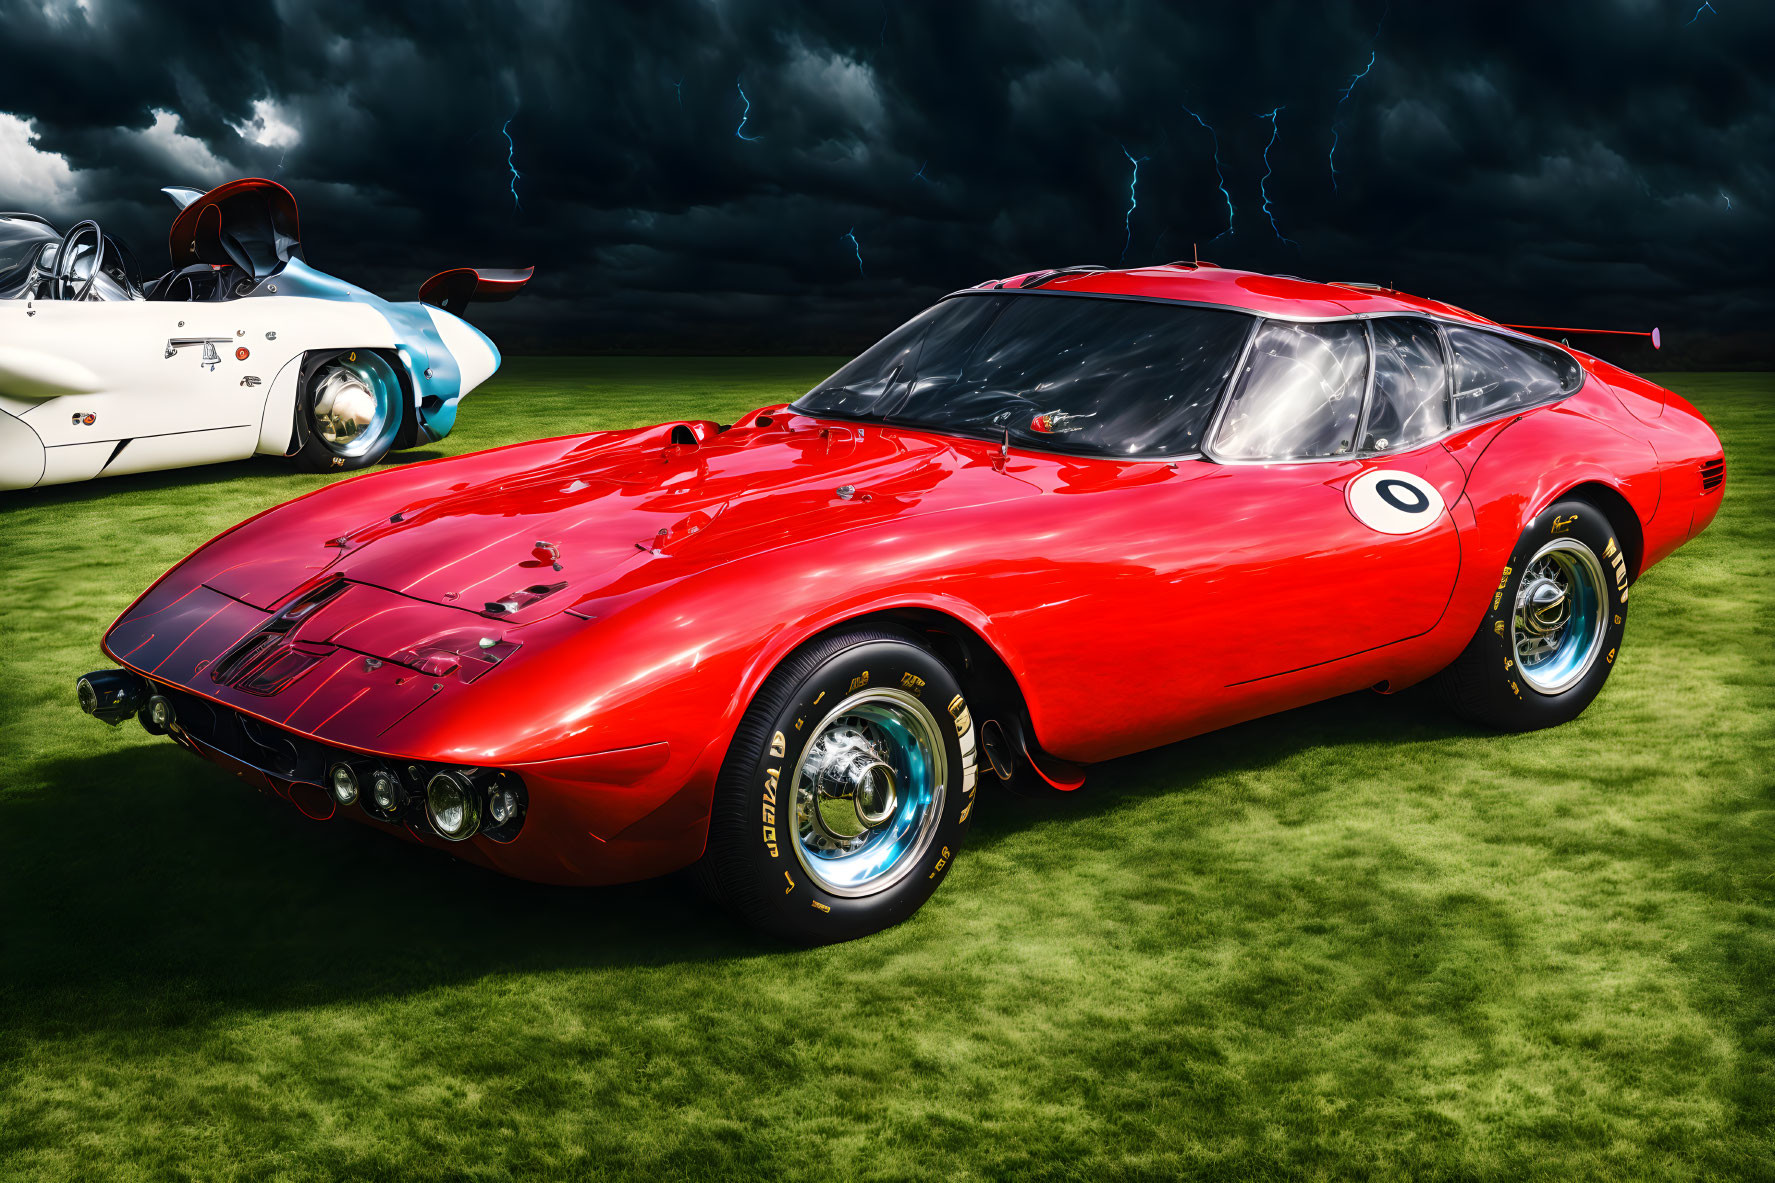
708, 177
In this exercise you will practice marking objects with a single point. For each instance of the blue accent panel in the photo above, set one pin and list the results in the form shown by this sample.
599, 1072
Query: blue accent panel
438, 393
437, 381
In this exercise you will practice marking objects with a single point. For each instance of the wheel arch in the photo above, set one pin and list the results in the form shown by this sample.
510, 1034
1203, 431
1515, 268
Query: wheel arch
406, 432
992, 688
1613, 505
309, 362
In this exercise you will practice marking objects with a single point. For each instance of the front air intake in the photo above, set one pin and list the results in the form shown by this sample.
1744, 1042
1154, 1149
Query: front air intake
1713, 474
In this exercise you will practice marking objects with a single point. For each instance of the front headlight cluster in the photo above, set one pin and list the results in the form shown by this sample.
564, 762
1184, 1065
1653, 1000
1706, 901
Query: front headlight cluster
458, 802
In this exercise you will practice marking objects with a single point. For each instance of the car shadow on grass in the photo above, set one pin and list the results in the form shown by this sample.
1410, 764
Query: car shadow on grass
1362, 720
145, 886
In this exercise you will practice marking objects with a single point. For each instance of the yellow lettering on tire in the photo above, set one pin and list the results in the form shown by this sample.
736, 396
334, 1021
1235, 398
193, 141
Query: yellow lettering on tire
770, 807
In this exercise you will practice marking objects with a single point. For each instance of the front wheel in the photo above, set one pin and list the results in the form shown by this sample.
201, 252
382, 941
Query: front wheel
349, 411
847, 792
1553, 629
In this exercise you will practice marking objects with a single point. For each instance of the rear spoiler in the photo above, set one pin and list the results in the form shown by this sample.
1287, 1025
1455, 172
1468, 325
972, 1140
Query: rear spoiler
454, 289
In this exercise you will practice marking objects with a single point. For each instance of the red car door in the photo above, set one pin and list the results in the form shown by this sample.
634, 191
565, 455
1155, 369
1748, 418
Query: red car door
1286, 573
1317, 527
1223, 576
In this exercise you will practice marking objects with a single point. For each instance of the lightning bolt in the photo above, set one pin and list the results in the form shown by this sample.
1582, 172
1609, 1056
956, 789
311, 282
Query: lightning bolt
920, 173
1708, 7
1219, 174
1263, 186
857, 247
511, 151
679, 87
1133, 201
1728, 201
740, 131
1331, 157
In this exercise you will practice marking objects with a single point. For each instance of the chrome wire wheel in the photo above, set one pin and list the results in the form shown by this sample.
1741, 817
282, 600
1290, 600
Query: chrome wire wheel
355, 404
869, 792
1558, 625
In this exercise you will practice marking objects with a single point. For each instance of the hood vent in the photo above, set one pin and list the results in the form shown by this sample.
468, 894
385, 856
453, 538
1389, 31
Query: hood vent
512, 601
267, 660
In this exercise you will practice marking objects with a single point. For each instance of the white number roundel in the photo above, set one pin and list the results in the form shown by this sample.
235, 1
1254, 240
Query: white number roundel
1394, 502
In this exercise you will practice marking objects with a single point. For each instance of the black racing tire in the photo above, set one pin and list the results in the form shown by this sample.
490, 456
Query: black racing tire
756, 865
378, 386
1487, 683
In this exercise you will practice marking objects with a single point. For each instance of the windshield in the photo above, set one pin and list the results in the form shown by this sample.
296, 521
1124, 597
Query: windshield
20, 241
1067, 373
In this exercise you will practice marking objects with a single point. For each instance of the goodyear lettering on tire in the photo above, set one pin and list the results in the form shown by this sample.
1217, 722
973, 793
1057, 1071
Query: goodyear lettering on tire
1613, 554
964, 730
771, 776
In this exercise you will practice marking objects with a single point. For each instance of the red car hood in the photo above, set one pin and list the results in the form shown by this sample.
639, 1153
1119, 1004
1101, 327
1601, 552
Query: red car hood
452, 566
570, 531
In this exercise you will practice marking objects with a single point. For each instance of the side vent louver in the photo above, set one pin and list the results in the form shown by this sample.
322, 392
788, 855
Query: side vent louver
1713, 473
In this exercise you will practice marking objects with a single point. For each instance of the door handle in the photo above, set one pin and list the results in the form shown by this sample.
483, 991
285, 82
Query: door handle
210, 357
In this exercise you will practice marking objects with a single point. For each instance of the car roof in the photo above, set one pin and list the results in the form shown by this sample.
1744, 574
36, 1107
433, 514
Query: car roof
1285, 296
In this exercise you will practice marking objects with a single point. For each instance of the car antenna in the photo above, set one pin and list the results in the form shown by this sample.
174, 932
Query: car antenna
1004, 449
1195, 253
1656, 336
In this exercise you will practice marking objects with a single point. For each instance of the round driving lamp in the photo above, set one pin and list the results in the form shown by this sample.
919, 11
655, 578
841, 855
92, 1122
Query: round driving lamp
385, 791
453, 806
158, 716
502, 805
343, 782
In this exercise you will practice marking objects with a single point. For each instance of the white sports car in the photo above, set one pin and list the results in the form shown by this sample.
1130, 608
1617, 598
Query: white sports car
241, 348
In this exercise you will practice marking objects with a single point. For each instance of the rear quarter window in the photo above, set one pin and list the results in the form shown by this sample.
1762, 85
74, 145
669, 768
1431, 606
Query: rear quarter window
1494, 373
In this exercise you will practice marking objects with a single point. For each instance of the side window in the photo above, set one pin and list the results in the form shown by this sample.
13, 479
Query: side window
1494, 373
1410, 403
1299, 394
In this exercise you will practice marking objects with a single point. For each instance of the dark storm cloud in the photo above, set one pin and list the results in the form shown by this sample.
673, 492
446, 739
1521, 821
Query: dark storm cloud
1564, 163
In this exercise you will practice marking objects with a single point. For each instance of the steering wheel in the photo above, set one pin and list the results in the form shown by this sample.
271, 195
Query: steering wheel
63, 273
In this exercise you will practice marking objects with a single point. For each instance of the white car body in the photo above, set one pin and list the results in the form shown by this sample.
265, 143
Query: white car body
102, 387
105, 380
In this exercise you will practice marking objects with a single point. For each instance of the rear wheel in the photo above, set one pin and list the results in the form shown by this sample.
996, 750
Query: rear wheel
847, 792
349, 411
1553, 629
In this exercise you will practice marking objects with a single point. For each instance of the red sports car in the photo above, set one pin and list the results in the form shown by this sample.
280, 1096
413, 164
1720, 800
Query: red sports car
1051, 520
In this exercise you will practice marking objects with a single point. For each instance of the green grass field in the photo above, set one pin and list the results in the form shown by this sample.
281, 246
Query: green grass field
1356, 940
